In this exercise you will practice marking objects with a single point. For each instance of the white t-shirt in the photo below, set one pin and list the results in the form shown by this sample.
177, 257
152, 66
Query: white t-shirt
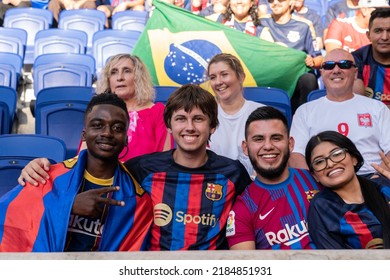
363, 120
226, 140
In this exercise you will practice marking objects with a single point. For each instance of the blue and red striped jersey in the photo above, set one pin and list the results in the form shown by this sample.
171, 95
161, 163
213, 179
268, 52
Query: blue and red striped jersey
191, 205
274, 216
376, 76
334, 224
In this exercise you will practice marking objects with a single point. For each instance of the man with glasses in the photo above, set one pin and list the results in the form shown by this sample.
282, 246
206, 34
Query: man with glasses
365, 121
373, 60
271, 213
297, 33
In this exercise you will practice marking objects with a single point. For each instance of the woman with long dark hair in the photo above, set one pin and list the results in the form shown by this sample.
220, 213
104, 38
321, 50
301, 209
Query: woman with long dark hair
351, 212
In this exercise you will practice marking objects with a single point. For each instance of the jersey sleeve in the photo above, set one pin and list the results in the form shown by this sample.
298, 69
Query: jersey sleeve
384, 120
239, 226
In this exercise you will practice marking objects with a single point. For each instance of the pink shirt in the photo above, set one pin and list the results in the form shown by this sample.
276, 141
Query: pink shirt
147, 132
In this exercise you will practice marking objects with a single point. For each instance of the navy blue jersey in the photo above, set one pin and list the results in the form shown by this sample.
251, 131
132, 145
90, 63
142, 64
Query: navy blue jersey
298, 33
315, 19
334, 224
191, 205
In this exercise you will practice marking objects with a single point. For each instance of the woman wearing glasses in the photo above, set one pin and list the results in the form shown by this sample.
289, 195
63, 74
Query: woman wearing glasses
351, 211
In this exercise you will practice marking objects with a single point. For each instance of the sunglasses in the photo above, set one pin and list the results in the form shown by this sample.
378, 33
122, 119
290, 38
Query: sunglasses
342, 64
271, 1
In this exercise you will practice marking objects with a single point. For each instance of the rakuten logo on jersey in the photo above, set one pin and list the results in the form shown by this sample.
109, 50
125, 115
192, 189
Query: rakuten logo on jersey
288, 235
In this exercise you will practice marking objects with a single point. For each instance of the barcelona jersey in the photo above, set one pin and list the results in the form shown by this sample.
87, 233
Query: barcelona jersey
376, 76
190, 205
36, 219
274, 216
334, 224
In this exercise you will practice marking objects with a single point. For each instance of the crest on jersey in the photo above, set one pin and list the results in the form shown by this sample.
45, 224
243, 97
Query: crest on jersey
364, 120
310, 194
293, 36
213, 191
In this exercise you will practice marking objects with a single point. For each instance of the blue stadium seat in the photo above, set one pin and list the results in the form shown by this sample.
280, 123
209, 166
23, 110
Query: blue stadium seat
13, 40
8, 99
87, 20
108, 42
19, 149
60, 41
59, 112
163, 93
274, 97
315, 94
31, 20
63, 69
130, 20
11, 64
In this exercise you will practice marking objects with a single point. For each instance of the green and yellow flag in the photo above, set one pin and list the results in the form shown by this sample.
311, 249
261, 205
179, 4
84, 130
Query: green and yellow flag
177, 45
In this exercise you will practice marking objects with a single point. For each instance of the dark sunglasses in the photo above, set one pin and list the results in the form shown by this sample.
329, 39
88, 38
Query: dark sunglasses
271, 1
342, 64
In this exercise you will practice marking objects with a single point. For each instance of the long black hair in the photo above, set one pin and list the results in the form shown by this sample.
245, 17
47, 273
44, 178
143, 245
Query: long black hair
371, 194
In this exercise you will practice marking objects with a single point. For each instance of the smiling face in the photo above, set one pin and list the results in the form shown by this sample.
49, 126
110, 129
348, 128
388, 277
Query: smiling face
335, 175
240, 8
105, 131
379, 35
339, 82
225, 82
268, 147
190, 130
122, 79
280, 7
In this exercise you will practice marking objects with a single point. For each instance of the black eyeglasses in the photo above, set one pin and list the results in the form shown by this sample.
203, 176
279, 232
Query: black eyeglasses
336, 156
271, 1
342, 64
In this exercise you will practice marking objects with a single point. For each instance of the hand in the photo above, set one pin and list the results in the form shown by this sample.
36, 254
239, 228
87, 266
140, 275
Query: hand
309, 61
89, 203
35, 171
386, 162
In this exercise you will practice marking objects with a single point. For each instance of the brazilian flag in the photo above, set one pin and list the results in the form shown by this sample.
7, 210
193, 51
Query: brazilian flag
177, 45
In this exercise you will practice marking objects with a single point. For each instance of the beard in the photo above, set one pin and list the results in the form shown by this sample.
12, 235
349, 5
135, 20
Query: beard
271, 172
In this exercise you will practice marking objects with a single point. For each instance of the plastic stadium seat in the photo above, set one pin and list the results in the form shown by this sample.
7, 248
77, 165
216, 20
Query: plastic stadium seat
59, 112
63, 69
60, 41
108, 42
163, 93
10, 64
87, 20
19, 149
13, 40
8, 99
31, 20
130, 20
315, 94
274, 97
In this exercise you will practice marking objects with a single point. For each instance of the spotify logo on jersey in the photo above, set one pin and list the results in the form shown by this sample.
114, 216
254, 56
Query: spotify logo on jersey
162, 214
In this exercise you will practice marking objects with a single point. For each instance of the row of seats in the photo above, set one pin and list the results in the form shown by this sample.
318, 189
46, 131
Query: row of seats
57, 49
33, 20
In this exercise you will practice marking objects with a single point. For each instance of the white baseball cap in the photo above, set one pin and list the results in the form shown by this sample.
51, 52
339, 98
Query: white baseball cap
373, 3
